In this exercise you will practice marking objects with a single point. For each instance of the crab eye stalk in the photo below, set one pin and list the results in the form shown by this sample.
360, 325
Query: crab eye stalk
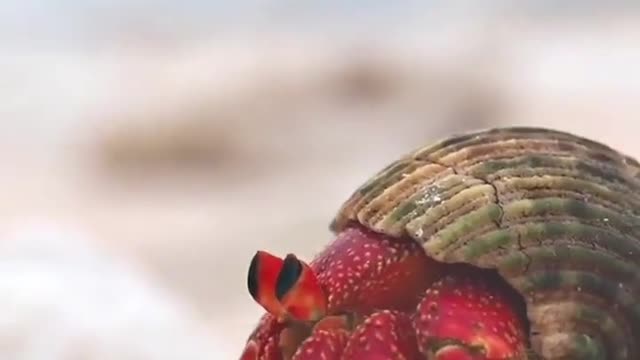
261, 281
298, 290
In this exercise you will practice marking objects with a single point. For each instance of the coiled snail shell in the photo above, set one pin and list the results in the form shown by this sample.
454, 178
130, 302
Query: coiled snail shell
557, 215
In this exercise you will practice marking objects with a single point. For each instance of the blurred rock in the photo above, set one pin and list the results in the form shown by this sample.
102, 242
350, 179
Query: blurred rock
283, 118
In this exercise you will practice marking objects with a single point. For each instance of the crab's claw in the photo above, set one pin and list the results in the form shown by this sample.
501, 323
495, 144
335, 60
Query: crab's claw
299, 292
261, 281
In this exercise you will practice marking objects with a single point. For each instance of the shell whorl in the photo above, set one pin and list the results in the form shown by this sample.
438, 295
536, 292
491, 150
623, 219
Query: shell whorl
557, 215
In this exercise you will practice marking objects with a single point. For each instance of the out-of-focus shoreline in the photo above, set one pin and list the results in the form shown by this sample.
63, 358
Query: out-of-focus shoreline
186, 159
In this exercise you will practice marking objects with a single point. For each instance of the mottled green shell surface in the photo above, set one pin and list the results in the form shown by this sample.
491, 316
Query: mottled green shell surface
557, 215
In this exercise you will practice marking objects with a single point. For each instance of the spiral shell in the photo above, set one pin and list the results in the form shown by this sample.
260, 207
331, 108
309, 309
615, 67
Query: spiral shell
555, 214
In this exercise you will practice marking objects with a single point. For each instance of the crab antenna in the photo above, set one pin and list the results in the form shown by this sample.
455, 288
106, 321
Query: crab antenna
298, 290
261, 281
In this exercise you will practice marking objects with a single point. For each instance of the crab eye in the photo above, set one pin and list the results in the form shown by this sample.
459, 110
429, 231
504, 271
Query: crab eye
298, 290
289, 274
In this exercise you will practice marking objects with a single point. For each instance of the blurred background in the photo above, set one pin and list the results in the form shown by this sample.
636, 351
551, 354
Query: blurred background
150, 148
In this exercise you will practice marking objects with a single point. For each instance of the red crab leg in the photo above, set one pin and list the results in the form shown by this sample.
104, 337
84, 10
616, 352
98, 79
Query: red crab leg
323, 344
325, 341
362, 271
264, 342
383, 335
470, 315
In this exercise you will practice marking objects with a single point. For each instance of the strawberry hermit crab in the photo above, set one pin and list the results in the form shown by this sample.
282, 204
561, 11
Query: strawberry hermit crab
513, 243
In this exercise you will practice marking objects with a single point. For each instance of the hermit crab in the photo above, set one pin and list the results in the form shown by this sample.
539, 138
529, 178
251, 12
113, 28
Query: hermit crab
508, 243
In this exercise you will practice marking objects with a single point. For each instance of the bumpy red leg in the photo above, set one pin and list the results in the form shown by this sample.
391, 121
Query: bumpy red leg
467, 315
470, 316
263, 344
326, 340
386, 335
362, 271
323, 344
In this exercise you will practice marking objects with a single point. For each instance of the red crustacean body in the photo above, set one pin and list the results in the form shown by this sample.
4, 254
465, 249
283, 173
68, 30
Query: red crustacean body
380, 298
507, 243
